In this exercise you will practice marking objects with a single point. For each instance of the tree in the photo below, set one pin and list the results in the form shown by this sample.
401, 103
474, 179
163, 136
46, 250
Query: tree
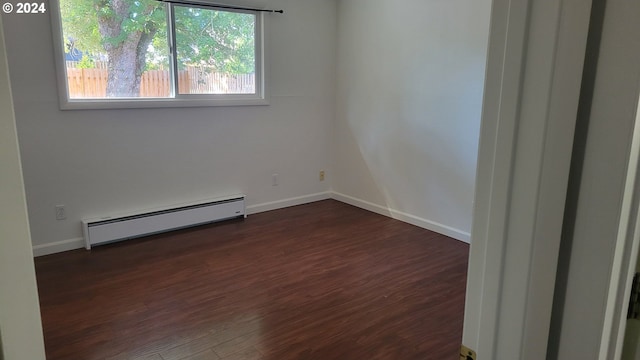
127, 29
123, 30
221, 40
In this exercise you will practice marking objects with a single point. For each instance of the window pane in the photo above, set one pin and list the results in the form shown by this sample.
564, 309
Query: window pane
215, 51
117, 50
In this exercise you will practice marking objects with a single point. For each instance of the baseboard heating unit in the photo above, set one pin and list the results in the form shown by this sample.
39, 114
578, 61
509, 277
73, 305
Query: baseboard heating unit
151, 221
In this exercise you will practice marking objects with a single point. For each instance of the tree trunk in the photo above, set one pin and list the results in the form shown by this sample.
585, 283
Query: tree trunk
126, 51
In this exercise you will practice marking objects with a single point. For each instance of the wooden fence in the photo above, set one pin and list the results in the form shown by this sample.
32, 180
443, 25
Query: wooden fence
92, 83
202, 82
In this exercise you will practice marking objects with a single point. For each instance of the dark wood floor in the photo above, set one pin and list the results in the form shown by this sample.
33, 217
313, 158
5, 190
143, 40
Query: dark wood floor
319, 281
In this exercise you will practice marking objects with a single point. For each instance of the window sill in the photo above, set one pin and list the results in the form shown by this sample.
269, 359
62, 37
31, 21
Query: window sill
138, 103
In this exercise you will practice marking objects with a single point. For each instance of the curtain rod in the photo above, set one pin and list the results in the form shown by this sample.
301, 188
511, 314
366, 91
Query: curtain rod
180, 2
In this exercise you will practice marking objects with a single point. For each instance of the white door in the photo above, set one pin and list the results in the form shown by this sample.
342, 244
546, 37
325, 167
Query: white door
534, 71
530, 103
20, 327
598, 251
620, 337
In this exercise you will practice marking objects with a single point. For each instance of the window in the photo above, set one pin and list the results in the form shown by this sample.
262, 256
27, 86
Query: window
146, 53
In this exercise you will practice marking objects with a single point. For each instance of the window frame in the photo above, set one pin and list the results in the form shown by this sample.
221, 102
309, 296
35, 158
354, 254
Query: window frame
176, 100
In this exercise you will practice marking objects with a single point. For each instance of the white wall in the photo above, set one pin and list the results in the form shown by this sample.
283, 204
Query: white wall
99, 161
20, 327
410, 82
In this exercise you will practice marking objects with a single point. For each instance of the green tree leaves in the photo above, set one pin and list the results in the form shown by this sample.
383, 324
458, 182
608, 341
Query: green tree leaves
221, 40
132, 36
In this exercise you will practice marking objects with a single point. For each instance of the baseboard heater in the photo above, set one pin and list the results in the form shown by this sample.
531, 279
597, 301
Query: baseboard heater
119, 227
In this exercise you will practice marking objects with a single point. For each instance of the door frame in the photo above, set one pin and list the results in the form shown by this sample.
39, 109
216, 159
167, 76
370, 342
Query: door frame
20, 323
625, 256
534, 71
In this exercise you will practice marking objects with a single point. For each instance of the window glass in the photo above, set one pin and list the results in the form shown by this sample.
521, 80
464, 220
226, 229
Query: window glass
146, 49
115, 49
215, 51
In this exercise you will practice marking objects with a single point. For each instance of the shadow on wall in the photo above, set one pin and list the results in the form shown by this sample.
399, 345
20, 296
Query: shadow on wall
411, 77
420, 166
420, 152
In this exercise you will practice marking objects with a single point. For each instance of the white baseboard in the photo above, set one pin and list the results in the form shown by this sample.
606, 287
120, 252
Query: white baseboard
78, 243
58, 246
280, 204
402, 216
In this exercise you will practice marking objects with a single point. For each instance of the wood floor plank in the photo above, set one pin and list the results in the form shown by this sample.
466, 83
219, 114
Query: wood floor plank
204, 355
250, 353
319, 281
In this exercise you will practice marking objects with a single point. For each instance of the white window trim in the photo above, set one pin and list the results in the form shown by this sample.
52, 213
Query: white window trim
194, 100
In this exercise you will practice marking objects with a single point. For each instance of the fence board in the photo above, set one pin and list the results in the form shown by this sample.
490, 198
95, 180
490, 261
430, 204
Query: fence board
92, 83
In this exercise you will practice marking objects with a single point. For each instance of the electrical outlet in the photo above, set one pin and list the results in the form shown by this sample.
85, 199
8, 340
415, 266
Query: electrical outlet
321, 175
275, 179
61, 212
